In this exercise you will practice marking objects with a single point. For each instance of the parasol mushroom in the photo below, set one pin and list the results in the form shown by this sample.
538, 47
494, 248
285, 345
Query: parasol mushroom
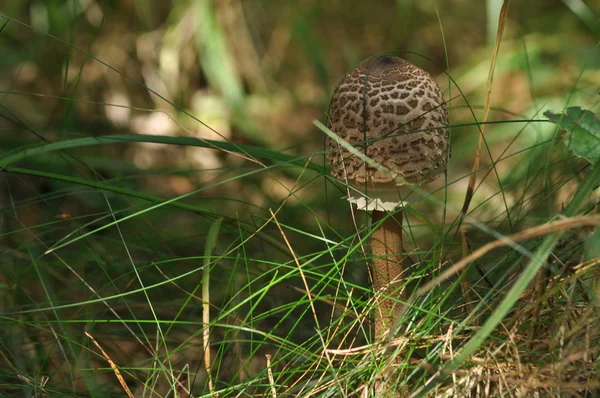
394, 114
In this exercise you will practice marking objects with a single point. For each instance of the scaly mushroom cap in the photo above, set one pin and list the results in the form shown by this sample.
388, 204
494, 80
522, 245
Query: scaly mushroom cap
393, 112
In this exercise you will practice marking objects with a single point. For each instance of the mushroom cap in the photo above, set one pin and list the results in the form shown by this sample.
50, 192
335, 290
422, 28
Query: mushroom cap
394, 113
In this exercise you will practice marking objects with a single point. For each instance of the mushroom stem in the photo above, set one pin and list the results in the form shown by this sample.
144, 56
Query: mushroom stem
386, 246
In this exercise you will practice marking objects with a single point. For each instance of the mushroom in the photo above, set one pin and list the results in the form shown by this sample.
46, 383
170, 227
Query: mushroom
390, 132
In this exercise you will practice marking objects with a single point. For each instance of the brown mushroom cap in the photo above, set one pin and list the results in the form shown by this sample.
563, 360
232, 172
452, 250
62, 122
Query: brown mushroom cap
381, 108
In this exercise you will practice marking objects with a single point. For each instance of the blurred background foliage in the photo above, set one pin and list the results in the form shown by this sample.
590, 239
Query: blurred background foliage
260, 72
248, 73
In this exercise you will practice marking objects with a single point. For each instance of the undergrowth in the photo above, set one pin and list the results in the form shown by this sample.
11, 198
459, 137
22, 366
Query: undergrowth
169, 227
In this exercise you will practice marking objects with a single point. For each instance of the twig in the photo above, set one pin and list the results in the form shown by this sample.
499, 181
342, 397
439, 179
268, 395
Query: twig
112, 365
270, 375
473, 178
534, 232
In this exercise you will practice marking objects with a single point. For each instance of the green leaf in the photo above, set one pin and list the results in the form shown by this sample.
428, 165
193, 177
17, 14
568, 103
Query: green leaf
592, 246
584, 129
251, 151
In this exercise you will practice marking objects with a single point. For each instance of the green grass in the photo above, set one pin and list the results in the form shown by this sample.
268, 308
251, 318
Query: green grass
124, 240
